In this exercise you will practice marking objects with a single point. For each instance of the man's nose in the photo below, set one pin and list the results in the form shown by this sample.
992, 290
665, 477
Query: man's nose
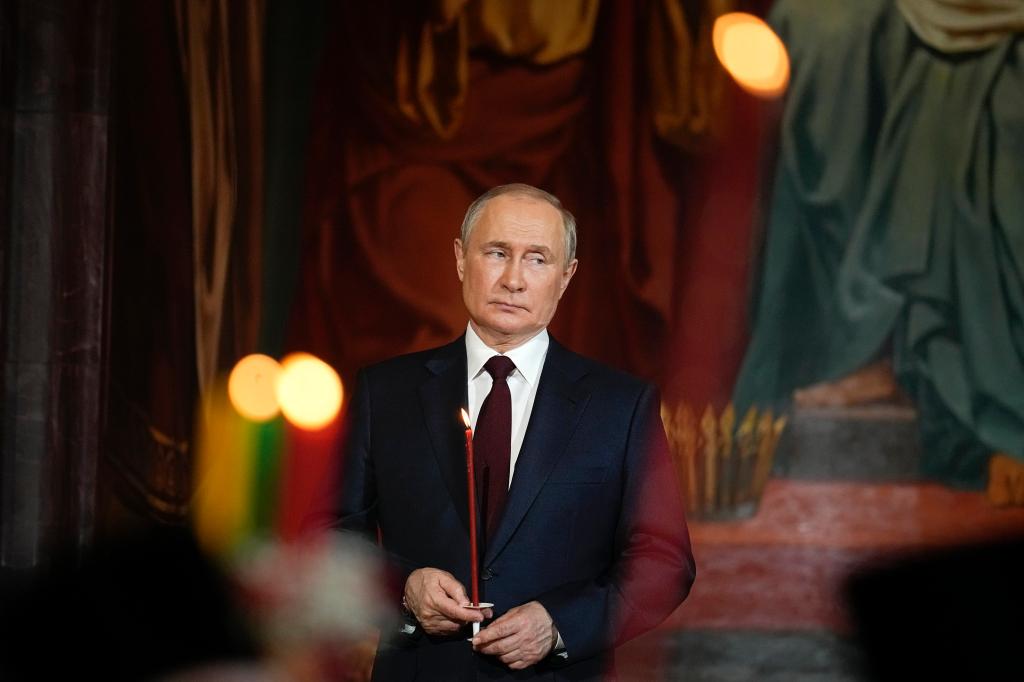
512, 276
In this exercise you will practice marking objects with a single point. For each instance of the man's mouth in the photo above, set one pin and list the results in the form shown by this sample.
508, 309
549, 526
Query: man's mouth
507, 306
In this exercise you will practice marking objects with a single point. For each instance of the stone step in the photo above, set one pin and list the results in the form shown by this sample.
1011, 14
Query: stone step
740, 656
875, 443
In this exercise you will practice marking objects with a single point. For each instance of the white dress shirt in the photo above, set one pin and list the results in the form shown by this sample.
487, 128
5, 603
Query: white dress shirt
522, 382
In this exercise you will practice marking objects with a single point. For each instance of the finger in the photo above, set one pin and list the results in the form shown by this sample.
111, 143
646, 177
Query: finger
437, 625
448, 610
503, 647
453, 588
455, 611
450, 599
498, 646
448, 627
519, 660
499, 629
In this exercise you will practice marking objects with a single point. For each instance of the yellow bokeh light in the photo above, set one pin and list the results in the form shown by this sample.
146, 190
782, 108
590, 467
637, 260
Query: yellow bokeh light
309, 391
752, 54
252, 387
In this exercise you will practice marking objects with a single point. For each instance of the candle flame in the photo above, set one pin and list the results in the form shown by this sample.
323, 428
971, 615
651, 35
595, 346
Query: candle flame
465, 417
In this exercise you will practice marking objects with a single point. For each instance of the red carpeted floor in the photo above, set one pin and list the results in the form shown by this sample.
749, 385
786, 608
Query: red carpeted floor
784, 569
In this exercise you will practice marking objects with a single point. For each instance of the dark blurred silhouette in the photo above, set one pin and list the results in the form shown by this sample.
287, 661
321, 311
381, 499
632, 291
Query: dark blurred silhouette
952, 614
131, 609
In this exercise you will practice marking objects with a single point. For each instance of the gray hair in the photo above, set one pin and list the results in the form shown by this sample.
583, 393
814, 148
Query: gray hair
520, 189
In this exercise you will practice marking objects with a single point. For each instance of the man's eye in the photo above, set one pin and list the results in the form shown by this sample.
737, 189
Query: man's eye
537, 260
496, 254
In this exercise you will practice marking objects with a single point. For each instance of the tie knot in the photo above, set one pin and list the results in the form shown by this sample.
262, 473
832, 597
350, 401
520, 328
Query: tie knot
499, 367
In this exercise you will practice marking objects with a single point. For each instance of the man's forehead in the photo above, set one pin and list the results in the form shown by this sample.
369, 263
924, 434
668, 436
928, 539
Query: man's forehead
512, 218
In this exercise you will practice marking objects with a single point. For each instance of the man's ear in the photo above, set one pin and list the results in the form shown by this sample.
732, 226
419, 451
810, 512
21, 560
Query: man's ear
460, 258
567, 275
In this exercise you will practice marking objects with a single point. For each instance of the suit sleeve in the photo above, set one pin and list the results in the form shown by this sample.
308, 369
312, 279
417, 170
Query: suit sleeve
654, 567
356, 503
351, 504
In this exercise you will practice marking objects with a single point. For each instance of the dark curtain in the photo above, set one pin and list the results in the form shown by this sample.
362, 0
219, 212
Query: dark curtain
153, 366
187, 238
54, 163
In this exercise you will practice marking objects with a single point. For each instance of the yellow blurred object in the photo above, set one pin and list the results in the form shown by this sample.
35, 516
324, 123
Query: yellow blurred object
1005, 481
252, 387
309, 391
752, 54
223, 482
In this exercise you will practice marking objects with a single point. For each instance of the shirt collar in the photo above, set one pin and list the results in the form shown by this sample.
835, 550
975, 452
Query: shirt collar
528, 358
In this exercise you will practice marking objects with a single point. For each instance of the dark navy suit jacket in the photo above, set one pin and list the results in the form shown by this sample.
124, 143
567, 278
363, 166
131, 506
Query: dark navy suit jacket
593, 529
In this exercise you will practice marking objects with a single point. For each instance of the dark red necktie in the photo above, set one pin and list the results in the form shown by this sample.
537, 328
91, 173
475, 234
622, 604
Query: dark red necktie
492, 443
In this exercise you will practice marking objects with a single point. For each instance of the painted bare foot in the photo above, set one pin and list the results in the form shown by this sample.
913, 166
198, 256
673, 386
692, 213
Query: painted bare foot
1005, 481
872, 383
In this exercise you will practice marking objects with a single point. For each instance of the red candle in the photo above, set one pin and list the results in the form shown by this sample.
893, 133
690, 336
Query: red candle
474, 580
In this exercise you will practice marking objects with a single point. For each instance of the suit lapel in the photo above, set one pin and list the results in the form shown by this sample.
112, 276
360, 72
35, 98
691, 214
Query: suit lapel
441, 396
556, 411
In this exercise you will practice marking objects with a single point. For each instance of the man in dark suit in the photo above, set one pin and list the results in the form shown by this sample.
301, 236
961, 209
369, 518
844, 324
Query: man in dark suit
583, 536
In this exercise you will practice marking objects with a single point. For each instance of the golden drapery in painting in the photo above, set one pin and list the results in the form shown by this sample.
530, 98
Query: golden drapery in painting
417, 114
686, 83
430, 64
425, 73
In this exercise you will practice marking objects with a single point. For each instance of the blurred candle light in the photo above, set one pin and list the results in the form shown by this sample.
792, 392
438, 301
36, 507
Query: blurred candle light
310, 394
267, 453
252, 387
752, 53
309, 391
222, 505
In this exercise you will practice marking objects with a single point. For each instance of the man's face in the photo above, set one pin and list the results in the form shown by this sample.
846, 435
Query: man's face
513, 269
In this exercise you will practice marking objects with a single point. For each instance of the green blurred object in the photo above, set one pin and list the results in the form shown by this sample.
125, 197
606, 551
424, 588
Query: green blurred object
269, 441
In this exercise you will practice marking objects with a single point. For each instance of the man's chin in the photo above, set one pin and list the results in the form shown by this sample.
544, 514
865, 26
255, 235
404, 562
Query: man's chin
505, 326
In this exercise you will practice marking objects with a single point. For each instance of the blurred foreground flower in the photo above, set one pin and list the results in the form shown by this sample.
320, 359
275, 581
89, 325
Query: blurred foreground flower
317, 605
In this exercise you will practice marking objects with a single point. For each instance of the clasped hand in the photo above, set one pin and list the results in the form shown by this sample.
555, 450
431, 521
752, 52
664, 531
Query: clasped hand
436, 599
521, 637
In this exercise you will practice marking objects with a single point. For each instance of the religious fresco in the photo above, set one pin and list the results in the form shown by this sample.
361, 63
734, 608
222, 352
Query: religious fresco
824, 277
886, 330
892, 235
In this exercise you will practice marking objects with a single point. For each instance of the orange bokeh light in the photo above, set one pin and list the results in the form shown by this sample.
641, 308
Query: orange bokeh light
252, 387
309, 391
752, 53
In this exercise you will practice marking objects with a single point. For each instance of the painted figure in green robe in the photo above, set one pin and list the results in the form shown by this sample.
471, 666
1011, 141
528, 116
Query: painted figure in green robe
896, 223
